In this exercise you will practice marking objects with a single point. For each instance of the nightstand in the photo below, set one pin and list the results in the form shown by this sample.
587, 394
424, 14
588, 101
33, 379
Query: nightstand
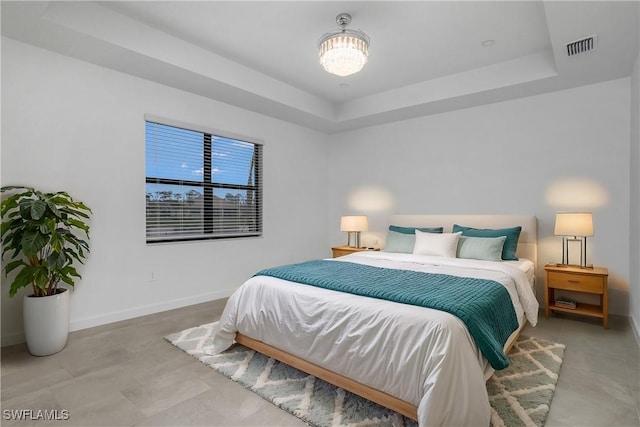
575, 279
339, 251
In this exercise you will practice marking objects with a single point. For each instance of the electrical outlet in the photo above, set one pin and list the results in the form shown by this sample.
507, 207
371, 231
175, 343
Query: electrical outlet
375, 241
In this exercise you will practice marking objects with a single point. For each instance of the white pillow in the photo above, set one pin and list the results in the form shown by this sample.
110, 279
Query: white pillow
436, 244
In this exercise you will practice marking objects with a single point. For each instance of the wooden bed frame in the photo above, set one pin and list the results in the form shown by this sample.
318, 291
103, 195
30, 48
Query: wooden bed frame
527, 248
377, 396
381, 398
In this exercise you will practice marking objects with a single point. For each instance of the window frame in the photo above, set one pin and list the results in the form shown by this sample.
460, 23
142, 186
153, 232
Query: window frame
209, 186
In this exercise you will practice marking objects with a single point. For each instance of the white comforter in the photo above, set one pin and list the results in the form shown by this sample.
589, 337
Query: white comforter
423, 356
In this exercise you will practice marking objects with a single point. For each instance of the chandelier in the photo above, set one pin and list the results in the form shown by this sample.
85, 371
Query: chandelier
343, 52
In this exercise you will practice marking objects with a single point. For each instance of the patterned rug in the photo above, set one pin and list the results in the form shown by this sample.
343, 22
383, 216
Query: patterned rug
519, 395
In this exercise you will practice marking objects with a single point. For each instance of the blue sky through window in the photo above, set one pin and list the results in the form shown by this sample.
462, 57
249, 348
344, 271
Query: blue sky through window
174, 153
231, 160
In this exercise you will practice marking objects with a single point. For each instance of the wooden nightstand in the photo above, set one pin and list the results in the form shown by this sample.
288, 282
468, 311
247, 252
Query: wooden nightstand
575, 279
339, 251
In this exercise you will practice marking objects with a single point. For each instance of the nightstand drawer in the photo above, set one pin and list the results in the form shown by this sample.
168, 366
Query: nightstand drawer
576, 282
339, 252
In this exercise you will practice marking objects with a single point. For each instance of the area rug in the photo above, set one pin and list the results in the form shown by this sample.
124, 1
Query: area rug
519, 395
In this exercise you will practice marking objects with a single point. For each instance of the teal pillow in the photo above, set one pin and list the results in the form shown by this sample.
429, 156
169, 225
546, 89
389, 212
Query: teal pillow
412, 230
400, 242
510, 244
484, 248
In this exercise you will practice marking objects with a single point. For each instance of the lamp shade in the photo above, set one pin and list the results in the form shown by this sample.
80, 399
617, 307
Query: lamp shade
574, 224
354, 223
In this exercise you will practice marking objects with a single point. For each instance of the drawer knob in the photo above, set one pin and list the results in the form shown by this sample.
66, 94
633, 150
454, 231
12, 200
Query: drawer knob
574, 281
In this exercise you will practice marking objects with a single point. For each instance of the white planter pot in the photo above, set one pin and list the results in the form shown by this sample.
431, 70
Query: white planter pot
46, 323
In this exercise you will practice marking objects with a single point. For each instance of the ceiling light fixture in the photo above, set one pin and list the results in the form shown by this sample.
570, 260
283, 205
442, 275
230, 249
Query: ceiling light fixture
343, 52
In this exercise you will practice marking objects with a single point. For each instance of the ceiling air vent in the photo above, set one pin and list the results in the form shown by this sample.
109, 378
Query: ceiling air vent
581, 46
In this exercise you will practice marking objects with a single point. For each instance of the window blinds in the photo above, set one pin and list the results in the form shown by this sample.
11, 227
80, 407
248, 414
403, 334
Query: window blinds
200, 185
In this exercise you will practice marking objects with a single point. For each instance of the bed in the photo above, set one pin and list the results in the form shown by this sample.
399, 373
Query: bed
421, 362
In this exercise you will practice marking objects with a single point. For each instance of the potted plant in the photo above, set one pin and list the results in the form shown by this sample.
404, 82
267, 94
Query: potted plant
43, 236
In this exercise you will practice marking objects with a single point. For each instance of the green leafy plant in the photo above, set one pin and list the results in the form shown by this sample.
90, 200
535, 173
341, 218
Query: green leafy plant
44, 234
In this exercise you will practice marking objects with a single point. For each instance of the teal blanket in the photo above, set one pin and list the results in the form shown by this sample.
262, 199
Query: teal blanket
483, 305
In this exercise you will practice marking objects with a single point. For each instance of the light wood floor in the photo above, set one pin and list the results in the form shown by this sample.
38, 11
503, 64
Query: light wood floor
126, 374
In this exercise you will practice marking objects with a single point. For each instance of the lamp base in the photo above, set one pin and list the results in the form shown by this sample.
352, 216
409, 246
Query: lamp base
583, 252
357, 239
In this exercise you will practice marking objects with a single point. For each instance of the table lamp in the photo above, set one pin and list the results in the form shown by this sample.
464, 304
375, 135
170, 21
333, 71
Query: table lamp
354, 224
574, 226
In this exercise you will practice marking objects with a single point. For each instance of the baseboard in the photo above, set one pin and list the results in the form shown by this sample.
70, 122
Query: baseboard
148, 309
117, 316
12, 339
636, 328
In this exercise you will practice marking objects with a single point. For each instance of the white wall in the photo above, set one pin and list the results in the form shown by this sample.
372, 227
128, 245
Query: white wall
566, 150
634, 236
69, 125
561, 151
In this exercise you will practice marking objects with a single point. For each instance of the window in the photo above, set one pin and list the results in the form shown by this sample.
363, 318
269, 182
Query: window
201, 185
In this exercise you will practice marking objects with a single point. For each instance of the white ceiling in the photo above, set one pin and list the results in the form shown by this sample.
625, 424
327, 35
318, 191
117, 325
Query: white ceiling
425, 57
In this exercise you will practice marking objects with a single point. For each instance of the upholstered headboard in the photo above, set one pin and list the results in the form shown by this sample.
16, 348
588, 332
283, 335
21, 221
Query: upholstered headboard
527, 244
